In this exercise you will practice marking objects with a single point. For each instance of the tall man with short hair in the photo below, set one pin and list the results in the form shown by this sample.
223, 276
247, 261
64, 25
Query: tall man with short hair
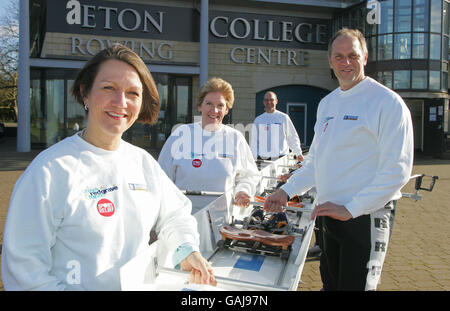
360, 158
273, 132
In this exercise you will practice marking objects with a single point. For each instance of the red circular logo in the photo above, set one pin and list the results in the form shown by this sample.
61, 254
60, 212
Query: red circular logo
196, 163
105, 207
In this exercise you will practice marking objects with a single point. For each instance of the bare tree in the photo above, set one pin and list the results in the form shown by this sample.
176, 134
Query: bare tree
9, 52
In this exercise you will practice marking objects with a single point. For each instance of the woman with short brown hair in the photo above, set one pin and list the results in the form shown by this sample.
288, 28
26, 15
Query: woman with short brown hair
208, 155
85, 206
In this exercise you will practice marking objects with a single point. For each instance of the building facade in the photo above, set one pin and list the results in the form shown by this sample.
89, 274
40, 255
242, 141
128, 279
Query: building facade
255, 45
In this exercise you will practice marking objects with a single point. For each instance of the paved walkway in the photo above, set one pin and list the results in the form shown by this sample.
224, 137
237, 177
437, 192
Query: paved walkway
418, 256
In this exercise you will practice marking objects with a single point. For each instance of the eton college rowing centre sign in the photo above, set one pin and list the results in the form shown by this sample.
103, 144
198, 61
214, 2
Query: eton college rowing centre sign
255, 38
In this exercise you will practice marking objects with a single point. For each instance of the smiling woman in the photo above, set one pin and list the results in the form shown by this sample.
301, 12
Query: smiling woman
209, 155
114, 103
116, 89
98, 197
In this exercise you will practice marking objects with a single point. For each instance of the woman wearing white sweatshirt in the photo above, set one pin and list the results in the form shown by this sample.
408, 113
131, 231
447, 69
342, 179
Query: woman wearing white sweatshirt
209, 155
85, 206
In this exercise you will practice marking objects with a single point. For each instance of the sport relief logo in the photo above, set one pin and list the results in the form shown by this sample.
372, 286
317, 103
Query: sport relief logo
105, 207
196, 163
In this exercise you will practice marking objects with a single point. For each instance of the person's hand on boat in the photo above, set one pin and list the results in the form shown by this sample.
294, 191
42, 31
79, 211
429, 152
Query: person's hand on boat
242, 199
200, 268
274, 203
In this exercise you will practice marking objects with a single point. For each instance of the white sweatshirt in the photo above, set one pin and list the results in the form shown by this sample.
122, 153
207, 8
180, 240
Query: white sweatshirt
78, 213
199, 160
273, 134
362, 151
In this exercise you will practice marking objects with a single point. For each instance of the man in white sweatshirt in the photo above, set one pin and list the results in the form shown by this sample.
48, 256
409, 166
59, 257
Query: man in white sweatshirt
273, 133
360, 158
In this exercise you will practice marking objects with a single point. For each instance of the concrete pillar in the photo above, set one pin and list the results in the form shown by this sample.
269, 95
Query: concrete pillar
204, 27
23, 100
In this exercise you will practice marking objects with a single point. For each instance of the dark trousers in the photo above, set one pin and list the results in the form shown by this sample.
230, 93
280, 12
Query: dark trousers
353, 251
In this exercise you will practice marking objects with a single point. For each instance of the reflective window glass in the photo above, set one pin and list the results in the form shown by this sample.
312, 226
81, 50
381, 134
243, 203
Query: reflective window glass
385, 78
362, 12
445, 17
445, 48
444, 85
76, 115
372, 48
419, 79
163, 125
402, 15
139, 134
182, 102
387, 17
402, 79
435, 47
420, 17
384, 47
54, 123
37, 121
354, 21
436, 15
435, 80
402, 46
420, 45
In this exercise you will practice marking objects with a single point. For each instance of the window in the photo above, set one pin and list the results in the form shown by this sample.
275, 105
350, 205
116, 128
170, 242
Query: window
387, 17
445, 17
402, 16
435, 80
37, 120
435, 47
420, 45
385, 47
402, 48
354, 20
436, 14
420, 17
419, 79
402, 79
445, 48
385, 78
372, 48
444, 85
362, 20
76, 117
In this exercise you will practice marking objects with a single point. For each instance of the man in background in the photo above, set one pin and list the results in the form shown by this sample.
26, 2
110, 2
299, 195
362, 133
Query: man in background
273, 133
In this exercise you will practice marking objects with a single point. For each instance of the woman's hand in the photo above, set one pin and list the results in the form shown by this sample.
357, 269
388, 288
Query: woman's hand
242, 199
201, 270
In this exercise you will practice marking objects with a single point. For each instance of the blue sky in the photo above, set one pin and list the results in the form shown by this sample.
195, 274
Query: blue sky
4, 4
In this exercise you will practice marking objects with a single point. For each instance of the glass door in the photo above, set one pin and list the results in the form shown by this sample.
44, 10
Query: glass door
54, 111
76, 117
